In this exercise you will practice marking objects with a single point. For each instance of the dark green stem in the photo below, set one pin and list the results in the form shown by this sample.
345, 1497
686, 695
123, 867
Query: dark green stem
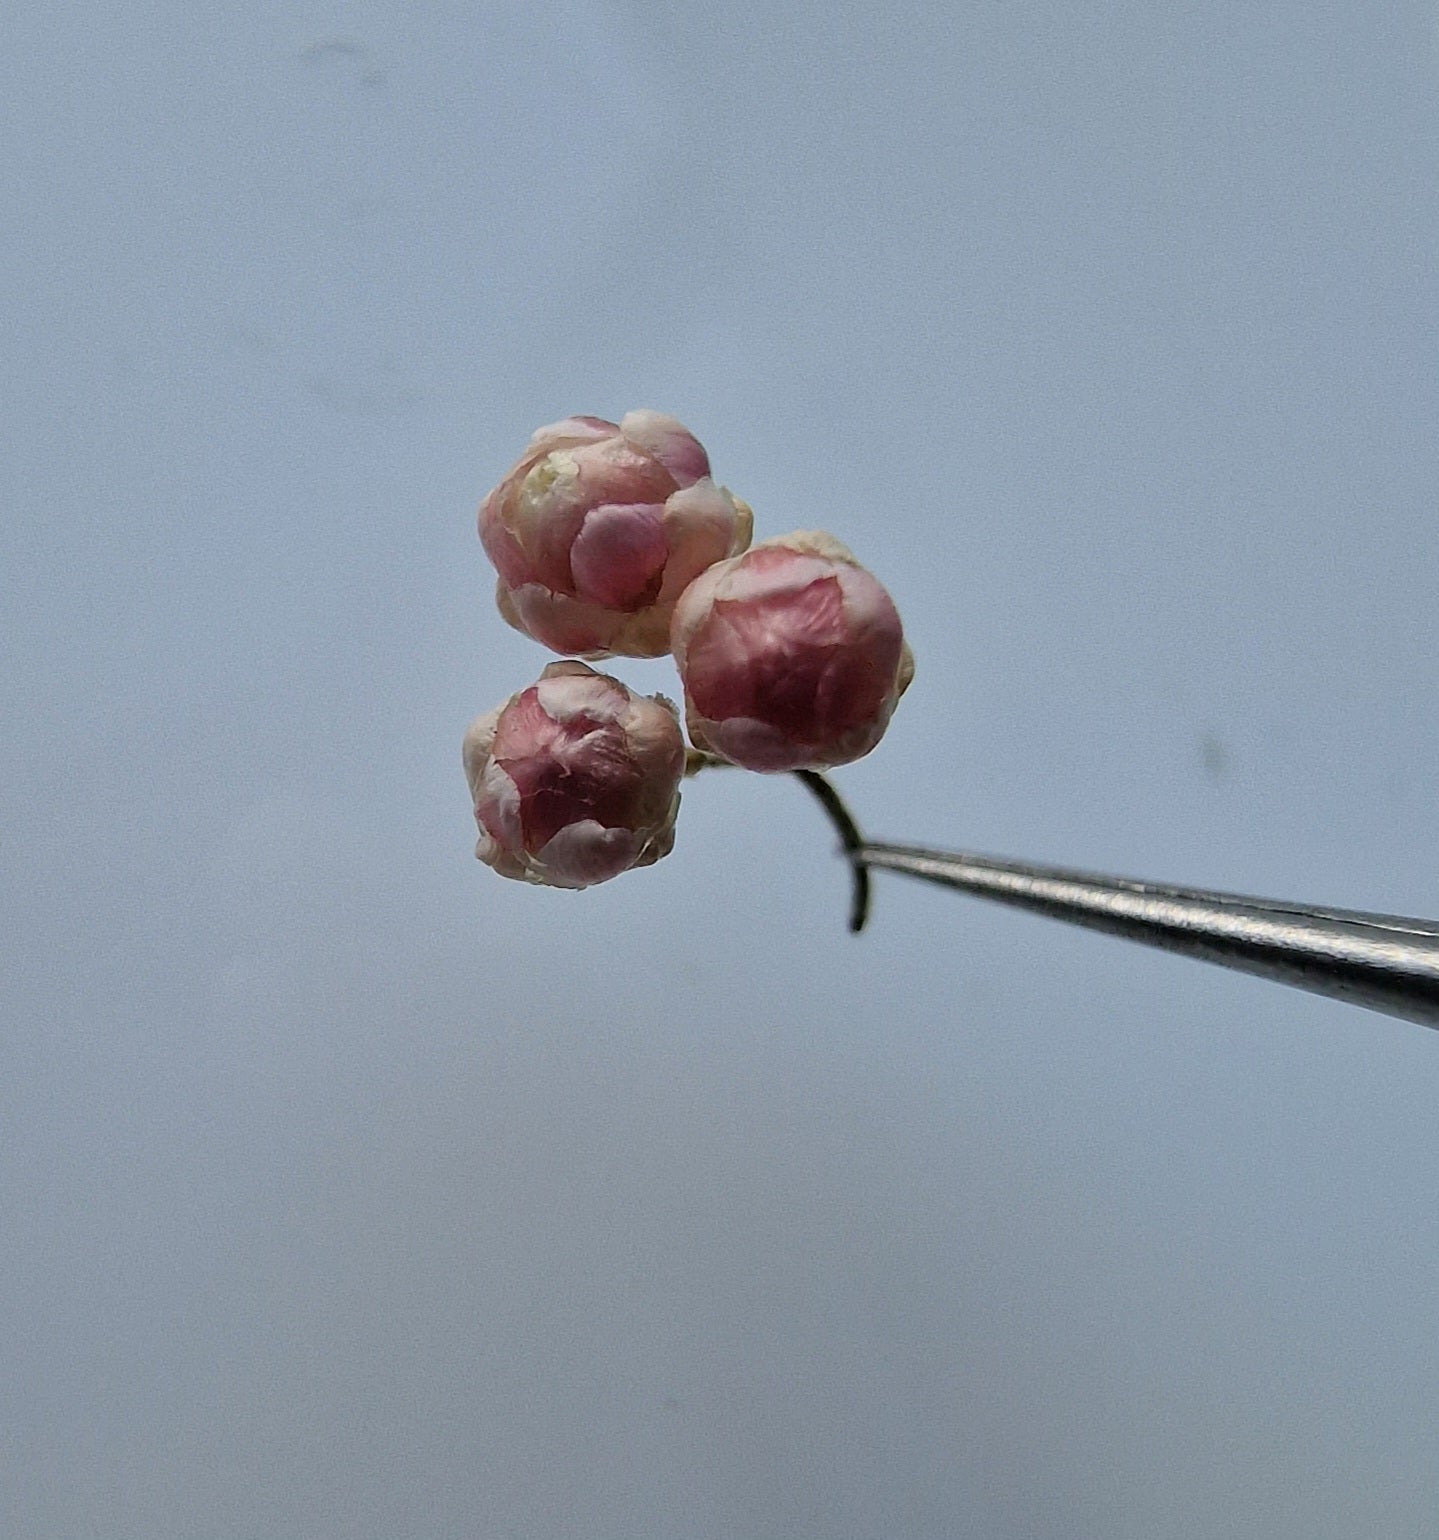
850, 840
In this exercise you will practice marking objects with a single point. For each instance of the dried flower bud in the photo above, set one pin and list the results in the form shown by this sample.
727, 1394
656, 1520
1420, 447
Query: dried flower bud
792, 656
575, 779
599, 528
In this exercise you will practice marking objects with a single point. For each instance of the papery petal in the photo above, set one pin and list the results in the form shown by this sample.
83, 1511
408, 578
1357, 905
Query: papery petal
669, 442
497, 806
813, 542
503, 549
704, 524
582, 854
692, 608
619, 555
652, 731
769, 571
505, 862
906, 670
561, 623
568, 691
760, 656
573, 430
544, 511
613, 471
553, 797
479, 736
744, 741
645, 634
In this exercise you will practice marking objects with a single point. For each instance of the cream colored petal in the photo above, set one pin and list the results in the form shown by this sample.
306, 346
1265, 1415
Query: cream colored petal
499, 799
645, 634
692, 607
565, 695
703, 525
573, 430
479, 737
662, 840
812, 542
906, 670
495, 856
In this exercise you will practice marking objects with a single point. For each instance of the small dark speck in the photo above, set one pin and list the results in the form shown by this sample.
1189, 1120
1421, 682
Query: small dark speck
344, 50
1213, 755
379, 397
334, 47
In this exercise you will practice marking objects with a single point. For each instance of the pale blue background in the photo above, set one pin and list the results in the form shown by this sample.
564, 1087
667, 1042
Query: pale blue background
350, 1193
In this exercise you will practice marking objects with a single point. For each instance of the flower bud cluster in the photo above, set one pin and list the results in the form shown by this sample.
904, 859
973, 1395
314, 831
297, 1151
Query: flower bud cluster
612, 539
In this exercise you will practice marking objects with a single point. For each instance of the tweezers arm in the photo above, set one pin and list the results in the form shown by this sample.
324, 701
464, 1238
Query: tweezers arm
1382, 962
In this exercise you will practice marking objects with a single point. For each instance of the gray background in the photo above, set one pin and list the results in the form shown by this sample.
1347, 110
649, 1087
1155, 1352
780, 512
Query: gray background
347, 1191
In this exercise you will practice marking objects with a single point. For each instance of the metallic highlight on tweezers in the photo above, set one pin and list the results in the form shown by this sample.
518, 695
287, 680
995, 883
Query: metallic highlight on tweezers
1382, 962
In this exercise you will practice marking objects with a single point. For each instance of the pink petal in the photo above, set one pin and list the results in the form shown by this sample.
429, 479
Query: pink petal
755, 745
615, 472
760, 657
618, 557
768, 570
509, 559
669, 442
562, 624
584, 853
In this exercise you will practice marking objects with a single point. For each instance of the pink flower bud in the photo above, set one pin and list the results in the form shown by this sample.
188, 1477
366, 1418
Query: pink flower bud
599, 528
792, 656
575, 779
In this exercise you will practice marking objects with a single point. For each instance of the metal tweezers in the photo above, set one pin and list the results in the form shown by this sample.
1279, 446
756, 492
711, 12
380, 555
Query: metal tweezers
1383, 962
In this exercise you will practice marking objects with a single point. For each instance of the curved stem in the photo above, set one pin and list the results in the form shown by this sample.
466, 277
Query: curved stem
851, 841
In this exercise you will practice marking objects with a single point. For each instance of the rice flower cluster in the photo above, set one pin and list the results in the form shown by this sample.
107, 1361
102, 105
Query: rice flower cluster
614, 540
